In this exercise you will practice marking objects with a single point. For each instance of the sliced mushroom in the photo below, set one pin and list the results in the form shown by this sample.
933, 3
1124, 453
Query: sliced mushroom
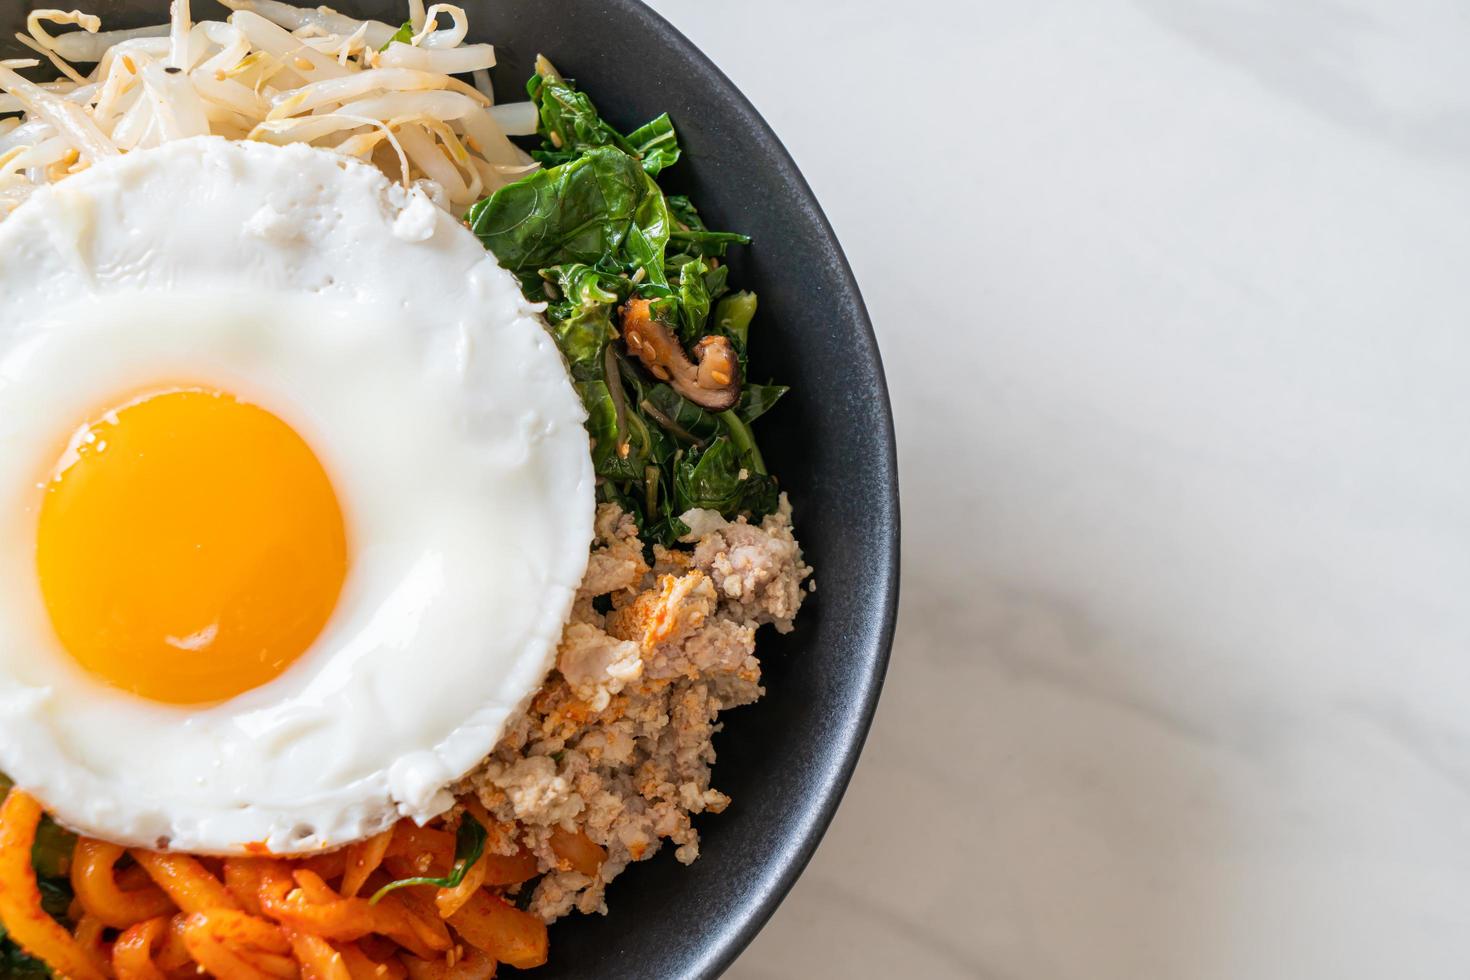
711, 380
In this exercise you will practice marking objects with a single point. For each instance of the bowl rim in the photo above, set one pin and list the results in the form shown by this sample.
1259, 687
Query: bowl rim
729, 939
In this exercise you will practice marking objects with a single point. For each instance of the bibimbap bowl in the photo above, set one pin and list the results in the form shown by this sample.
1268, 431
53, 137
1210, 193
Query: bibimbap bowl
786, 759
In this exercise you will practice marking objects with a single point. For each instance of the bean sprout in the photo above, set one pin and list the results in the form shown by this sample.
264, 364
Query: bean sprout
322, 18
45, 44
432, 37
271, 72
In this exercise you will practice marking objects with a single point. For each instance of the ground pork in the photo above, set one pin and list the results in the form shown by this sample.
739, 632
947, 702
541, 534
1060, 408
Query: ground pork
758, 571
617, 744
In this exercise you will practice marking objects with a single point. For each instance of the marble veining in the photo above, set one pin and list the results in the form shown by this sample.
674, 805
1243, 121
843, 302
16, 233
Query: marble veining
1174, 304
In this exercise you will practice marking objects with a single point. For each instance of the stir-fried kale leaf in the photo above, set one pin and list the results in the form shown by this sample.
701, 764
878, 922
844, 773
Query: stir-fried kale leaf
691, 238
694, 300
718, 477
733, 316
15, 963
757, 400
570, 125
589, 233
468, 847
678, 415
403, 35
582, 317
656, 144
608, 434
52, 852
583, 211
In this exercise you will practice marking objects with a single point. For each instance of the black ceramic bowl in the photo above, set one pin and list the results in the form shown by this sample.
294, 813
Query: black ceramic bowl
786, 759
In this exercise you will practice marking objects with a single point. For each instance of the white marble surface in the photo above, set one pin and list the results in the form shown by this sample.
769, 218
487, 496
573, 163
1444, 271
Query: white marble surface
1175, 300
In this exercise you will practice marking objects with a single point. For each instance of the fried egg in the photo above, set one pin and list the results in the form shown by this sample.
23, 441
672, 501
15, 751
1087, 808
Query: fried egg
294, 499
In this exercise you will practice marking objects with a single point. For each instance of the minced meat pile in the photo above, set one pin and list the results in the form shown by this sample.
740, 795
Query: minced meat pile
617, 743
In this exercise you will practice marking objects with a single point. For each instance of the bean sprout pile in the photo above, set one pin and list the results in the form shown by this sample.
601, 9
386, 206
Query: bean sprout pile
271, 72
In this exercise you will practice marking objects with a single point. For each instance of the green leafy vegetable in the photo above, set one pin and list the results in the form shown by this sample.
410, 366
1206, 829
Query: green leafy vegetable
592, 231
571, 125
56, 896
692, 239
649, 234
757, 400
733, 316
694, 301
53, 849
581, 211
720, 477
14, 962
403, 35
693, 420
469, 845
744, 442
569, 122
657, 144
608, 458
685, 213
582, 317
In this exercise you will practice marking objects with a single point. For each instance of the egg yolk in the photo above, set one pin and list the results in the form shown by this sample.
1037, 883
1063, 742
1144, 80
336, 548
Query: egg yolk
190, 546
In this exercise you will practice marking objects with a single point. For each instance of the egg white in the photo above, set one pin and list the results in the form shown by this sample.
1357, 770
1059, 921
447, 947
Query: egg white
380, 329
